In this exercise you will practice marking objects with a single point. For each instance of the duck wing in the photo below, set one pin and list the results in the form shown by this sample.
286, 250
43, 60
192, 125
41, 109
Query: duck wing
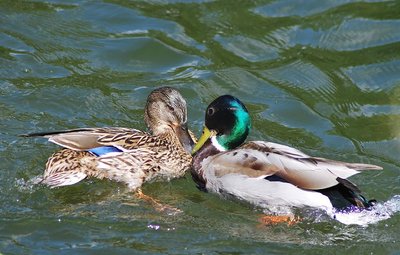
131, 167
89, 138
262, 159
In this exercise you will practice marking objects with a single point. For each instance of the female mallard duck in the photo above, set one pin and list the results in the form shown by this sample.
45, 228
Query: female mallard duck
125, 155
264, 173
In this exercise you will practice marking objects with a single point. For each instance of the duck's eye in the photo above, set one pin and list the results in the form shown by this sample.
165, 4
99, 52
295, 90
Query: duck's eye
210, 111
170, 108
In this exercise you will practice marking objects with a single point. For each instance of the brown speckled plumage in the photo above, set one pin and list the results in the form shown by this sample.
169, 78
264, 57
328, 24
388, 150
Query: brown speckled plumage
162, 154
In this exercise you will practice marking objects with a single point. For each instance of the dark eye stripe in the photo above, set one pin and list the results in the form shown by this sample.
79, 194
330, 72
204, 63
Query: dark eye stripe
170, 108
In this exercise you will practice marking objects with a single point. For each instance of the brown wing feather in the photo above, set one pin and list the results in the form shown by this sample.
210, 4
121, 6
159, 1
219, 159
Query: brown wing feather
243, 161
66, 167
132, 168
262, 159
87, 138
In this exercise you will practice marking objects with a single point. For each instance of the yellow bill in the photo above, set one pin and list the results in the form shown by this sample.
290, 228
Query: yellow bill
204, 137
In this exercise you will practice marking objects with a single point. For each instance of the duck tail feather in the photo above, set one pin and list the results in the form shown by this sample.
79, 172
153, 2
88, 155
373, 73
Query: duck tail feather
51, 133
348, 184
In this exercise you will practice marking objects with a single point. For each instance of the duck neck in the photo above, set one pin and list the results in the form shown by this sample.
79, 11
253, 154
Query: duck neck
207, 150
171, 137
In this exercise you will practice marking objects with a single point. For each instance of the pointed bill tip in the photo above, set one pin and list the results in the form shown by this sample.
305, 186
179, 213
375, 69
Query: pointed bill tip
204, 137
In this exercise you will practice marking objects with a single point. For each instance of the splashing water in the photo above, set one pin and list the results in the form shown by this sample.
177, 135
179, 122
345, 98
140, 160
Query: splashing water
351, 216
28, 185
379, 212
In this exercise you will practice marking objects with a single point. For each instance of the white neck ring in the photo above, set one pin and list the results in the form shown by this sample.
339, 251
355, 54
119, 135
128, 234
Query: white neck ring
216, 144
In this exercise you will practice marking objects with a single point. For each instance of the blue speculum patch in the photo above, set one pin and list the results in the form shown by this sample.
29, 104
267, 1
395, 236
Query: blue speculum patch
101, 151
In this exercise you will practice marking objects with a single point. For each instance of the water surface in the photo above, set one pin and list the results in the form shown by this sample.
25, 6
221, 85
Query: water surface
322, 76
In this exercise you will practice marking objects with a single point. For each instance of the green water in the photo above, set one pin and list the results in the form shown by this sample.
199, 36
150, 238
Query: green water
322, 76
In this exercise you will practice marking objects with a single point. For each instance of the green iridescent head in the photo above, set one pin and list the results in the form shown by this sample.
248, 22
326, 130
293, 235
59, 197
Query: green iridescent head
228, 120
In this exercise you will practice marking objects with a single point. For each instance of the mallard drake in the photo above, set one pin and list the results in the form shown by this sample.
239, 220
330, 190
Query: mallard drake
268, 174
125, 155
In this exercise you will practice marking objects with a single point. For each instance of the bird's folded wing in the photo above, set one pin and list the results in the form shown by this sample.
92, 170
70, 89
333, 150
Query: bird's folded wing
258, 158
88, 138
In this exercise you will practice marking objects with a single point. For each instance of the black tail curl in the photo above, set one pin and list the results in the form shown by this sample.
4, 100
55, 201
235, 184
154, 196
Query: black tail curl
345, 195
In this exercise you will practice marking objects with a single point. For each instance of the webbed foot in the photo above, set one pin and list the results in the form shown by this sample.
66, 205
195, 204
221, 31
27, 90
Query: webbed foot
170, 210
290, 220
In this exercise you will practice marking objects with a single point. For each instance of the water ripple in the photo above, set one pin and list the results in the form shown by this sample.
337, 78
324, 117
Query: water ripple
321, 76
287, 8
299, 74
124, 21
350, 35
247, 48
379, 76
139, 55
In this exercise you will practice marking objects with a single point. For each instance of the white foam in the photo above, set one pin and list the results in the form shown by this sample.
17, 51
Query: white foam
379, 212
